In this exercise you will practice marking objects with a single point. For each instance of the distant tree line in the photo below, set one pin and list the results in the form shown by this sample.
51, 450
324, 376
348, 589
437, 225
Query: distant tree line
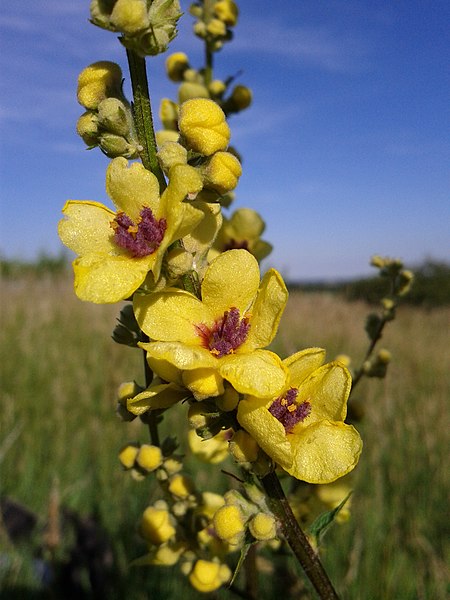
431, 286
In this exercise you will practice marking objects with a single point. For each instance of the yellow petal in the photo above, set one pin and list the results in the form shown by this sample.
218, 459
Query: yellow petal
164, 370
303, 363
327, 390
105, 279
171, 315
180, 355
131, 188
231, 280
254, 417
154, 397
86, 227
324, 452
203, 383
267, 310
260, 373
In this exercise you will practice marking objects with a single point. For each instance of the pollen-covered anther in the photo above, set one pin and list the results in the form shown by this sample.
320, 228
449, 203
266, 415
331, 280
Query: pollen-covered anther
288, 412
141, 238
226, 335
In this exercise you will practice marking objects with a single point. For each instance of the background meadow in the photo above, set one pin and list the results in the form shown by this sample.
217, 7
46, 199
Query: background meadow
60, 438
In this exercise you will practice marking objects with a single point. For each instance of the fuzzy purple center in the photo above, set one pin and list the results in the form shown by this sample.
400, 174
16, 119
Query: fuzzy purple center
288, 412
227, 334
141, 238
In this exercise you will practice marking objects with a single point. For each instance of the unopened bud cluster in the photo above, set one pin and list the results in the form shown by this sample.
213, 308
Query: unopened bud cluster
107, 122
145, 27
214, 21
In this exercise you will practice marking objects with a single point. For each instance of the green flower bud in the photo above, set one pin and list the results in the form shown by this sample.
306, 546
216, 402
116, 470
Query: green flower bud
193, 76
114, 116
116, 145
241, 98
130, 16
188, 90
171, 154
178, 263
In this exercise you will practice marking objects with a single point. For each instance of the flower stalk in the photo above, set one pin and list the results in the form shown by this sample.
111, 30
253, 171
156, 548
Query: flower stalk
143, 116
297, 539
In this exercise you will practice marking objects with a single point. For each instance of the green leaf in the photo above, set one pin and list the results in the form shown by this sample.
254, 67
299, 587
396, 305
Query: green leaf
373, 326
244, 551
324, 521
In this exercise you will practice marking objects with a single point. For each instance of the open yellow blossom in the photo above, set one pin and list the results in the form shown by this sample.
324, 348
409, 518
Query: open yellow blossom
242, 230
225, 332
117, 249
303, 429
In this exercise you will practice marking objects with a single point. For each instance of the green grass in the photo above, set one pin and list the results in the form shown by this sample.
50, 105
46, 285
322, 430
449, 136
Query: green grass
60, 372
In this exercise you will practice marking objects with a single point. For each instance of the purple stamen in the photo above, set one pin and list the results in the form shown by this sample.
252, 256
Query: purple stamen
233, 244
226, 335
141, 238
288, 412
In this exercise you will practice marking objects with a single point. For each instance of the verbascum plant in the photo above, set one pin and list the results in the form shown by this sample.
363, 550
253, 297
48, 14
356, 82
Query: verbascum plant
198, 308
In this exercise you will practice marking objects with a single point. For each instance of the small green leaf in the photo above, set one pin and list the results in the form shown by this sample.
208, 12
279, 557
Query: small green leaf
372, 327
324, 521
244, 551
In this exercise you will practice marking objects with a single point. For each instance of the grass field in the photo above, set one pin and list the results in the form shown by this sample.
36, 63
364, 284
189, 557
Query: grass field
59, 376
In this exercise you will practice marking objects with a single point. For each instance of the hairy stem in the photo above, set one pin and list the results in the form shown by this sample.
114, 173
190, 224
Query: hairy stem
143, 116
297, 539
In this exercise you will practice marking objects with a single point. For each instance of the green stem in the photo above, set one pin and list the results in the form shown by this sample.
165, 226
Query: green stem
143, 116
208, 7
297, 539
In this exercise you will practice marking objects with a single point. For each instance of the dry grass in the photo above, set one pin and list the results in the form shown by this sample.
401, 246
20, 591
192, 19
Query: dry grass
60, 372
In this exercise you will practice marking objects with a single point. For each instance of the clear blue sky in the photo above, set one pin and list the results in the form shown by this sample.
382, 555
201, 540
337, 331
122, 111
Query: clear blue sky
346, 148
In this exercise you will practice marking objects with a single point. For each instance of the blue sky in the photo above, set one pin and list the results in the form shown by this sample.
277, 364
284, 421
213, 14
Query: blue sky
346, 148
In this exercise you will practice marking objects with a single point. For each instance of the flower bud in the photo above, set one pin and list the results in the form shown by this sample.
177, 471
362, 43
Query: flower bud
229, 524
176, 65
228, 400
170, 154
127, 455
181, 486
166, 136
189, 90
213, 450
130, 16
241, 98
216, 28
243, 447
156, 526
168, 113
149, 457
87, 128
384, 356
217, 87
172, 465
226, 11
114, 117
207, 576
344, 359
263, 526
97, 82
203, 125
116, 145
221, 173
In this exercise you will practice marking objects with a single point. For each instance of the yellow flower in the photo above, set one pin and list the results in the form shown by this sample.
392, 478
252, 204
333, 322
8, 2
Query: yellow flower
203, 125
224, 333
242, 230
207, 576
302, 429
117, 249
157, 396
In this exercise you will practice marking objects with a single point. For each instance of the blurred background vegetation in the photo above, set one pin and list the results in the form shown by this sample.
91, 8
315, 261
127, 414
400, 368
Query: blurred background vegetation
70, 513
